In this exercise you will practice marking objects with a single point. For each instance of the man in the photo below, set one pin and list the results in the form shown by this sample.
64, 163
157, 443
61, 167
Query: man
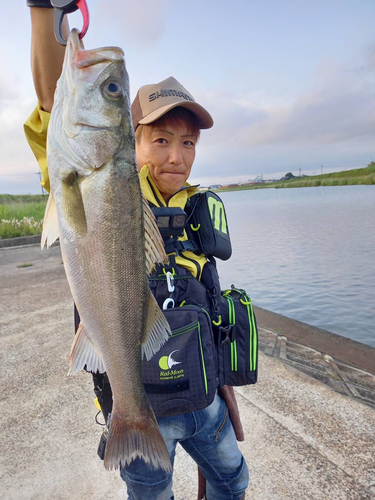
167, 123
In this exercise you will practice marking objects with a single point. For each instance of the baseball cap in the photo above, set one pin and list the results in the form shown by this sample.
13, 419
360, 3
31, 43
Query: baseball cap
153, 101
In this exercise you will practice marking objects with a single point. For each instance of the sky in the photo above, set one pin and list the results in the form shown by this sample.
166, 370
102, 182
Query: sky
290, 84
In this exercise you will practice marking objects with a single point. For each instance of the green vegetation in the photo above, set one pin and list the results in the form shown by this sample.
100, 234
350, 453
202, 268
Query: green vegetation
344, 178
21, 215
10, 199
289, 175
26, 264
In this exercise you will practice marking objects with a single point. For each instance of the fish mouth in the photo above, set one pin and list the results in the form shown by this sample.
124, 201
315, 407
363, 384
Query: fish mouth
86, 58
95, 128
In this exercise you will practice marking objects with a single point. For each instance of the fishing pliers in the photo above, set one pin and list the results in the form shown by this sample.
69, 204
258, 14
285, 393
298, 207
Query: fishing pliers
63, 7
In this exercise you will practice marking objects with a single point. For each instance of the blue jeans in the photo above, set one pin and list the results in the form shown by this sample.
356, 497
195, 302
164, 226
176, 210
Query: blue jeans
208, 436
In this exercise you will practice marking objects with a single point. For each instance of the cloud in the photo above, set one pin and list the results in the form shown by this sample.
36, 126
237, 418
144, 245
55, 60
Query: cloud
338, 108
262, 123
141, 22
17, 163
332, 122
370, 54
13, 113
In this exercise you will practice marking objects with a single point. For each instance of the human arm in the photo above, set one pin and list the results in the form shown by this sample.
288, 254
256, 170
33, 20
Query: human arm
47, 55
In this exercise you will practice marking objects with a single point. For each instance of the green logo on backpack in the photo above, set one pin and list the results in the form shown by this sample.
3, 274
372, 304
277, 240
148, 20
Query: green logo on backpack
166, 363
217, 214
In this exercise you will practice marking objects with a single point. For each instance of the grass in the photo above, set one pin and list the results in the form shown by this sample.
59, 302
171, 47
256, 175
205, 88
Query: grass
26, 264
21, 215
10, 199
357, 176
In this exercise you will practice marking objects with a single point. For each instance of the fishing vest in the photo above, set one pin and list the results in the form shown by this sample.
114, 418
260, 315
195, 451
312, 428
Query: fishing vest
206, 228
213, 339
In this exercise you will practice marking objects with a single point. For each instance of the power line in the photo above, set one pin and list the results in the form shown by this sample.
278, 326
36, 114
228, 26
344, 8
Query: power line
20, 175
39, 174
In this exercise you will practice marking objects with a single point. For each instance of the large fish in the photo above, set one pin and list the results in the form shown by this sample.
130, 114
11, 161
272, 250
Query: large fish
109, 241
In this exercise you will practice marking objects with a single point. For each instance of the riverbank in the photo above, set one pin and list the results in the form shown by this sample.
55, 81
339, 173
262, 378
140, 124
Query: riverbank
303, 438
341, 348
359, 176
22, 215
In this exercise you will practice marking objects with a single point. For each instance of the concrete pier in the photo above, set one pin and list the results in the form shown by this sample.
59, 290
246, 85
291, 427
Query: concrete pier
309, 422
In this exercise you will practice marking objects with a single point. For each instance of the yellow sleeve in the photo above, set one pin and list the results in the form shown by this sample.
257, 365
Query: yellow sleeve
36, 134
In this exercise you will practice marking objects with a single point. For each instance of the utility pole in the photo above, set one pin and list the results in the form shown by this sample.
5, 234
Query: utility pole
39, 174
321, 169
299, 171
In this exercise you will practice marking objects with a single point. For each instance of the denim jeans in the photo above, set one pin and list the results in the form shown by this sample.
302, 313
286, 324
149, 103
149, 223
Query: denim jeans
208, 436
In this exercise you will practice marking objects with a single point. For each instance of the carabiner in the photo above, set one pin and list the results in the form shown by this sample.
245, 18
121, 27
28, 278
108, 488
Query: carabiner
63, 7
170, 281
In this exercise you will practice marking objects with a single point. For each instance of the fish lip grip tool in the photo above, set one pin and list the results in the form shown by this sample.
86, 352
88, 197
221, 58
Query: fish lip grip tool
63, 7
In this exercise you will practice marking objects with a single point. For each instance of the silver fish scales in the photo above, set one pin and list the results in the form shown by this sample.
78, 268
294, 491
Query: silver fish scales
109, 241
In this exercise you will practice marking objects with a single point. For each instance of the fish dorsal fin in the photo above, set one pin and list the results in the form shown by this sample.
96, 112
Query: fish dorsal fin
50, 231
157, 329
84, 353
154, 245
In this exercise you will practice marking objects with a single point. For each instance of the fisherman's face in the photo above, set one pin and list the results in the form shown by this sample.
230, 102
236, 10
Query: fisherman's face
169, 153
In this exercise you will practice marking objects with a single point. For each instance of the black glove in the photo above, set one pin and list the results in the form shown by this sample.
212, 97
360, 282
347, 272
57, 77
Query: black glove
45, 4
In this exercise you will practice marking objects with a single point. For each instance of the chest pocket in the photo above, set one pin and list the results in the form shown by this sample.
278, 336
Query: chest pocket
181, 376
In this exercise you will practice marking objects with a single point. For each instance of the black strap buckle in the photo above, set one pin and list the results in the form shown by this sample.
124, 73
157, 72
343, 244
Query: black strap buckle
173, 245
228, 331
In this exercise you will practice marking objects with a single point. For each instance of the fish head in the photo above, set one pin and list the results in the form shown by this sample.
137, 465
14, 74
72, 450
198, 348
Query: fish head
91, 116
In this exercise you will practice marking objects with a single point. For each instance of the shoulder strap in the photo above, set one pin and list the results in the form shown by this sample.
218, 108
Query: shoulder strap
172, 244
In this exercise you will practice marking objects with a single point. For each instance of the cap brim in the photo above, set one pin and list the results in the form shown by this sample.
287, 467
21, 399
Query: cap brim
204, 118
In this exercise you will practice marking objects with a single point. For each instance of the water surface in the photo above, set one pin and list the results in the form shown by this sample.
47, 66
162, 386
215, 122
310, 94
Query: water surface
306, 253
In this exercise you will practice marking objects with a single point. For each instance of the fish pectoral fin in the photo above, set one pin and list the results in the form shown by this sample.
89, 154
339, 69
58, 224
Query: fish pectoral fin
154, 245
72, 204
83, 353
157, 330
50, 231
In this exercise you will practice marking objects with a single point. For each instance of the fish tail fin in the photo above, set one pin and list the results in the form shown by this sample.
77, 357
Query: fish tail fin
128, 440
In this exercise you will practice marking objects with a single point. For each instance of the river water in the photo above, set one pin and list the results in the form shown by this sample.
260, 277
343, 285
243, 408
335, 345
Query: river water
306, 253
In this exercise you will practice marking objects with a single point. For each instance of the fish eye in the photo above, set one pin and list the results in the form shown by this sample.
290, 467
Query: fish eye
113, 89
